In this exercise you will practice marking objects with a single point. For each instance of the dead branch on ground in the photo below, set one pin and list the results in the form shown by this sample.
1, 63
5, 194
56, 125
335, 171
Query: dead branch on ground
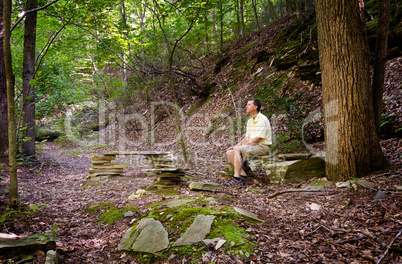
389, 247
297, 190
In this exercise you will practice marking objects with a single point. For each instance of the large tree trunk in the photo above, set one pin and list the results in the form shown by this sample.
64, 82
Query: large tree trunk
351, 143
12, 137
28, 73
3, 93
380, 59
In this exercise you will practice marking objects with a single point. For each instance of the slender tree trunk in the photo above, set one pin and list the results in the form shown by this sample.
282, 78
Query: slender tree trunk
3, 92
28, 73
254, 4
214, 28
206, 45
12, 136
221, 26
237, 29
300, 17
351, 143
380, 59
242, 25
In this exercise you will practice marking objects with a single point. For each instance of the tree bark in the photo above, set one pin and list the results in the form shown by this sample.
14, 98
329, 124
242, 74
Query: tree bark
3, 93
221, 27
352, 146
380, 59
28, 73
300, 17
254, 4
12, 137
242, 24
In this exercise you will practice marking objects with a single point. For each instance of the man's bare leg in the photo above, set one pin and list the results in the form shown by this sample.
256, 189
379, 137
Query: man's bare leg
235, 158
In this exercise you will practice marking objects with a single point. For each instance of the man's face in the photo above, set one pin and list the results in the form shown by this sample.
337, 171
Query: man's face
251, 107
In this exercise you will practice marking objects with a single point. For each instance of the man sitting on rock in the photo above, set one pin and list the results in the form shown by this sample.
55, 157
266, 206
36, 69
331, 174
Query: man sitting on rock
256, 142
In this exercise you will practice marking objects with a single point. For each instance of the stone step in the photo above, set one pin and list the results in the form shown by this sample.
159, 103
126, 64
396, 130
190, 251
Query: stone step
294, 156
110, 166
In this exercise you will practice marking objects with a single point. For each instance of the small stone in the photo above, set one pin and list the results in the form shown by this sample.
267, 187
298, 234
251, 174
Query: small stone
380, 194
314, 206
52, 257
247, 214
345, 184
128, 214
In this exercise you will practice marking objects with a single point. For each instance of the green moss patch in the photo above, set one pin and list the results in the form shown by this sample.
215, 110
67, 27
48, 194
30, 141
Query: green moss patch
115, 214
177, 220
167, 192
110, 214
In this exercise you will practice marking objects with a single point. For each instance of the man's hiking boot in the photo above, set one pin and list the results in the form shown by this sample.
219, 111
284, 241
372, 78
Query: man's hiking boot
235, 181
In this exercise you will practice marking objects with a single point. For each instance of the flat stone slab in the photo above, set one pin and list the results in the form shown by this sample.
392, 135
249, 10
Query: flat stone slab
197, 231
247, 214
204, 186
25, 245
294, 156
321, 185
177, 202
149, 236
367, 184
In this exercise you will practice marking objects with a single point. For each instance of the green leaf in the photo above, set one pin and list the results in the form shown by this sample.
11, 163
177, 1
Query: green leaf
32, 82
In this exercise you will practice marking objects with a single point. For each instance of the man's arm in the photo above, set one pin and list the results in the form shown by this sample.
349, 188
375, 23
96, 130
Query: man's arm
253, 141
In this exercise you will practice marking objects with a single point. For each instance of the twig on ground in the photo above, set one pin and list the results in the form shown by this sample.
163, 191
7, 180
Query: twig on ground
389, 247
353, 249
297, 190
342, 231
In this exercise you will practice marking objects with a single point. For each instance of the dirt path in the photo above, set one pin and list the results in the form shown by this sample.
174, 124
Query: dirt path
292, 231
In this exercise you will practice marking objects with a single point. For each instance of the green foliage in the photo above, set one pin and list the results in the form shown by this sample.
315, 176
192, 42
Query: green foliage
4, 216
22, 212
276, 102
386, 118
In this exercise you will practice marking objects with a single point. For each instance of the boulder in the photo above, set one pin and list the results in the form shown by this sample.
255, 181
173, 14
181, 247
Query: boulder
292, 171
149, 236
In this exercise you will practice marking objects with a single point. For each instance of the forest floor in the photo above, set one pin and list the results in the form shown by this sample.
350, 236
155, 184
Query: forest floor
358, 232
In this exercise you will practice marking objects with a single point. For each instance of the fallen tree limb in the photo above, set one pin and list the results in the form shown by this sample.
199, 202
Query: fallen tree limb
389, 247
297, 190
